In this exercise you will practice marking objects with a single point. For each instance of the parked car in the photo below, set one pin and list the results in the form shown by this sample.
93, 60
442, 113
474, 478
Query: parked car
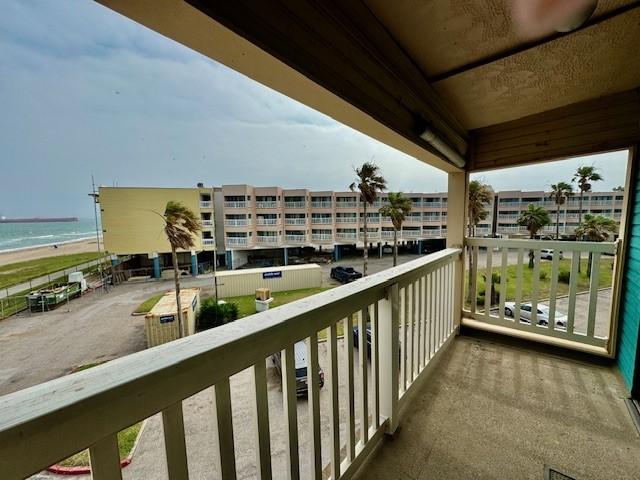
547, 254
542, 314
300, 353
345, 274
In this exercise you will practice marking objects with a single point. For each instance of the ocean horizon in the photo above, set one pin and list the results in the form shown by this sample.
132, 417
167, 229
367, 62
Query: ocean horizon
20, 236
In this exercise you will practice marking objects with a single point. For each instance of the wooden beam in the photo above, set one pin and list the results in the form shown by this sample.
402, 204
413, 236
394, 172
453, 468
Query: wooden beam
607, 123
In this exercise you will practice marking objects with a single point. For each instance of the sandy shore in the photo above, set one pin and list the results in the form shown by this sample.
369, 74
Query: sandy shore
81, 246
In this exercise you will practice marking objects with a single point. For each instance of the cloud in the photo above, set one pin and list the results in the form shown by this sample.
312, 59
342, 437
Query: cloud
86, 91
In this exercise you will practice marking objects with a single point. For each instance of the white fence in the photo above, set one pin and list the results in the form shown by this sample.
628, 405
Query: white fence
236, 241
408, 309
509, 259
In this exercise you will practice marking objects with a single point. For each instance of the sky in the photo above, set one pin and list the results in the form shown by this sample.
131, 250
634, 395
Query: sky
85, 91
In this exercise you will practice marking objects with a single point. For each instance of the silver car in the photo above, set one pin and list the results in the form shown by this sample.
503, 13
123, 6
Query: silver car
542, 314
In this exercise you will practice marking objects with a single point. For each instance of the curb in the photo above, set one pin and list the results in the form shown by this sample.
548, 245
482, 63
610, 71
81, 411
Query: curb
86, 470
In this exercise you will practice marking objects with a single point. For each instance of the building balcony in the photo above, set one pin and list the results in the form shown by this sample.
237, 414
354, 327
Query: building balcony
467, 405
414, 220
208, 242
267, 239
353, 219
370, 236
322, 237
267, 221
387, 234
206, 203
321, 204
430, 233
235, 222
346, 204
431, 204
236, 241
295, 238
235, 204
411, 234
207, 223
295, 221
321, 220
269, 204
295, 204
346, 236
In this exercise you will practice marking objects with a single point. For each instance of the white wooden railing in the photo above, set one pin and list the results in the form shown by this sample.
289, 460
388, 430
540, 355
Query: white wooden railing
409, 310
235, 204
267, 204
324, 220
236, 240
268, 239
266, 221
207, 222
295, 221
346, 236
235, 222
322, 237
208, 242
292, 238
582, 329
387, 234
352, 219
325, 204
296, 204
205, 203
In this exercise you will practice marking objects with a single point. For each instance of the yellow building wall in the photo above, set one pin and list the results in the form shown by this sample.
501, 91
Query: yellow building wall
129, 223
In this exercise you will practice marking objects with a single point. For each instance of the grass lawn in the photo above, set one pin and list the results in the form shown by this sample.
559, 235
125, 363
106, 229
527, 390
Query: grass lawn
126, 440
604, 280
148, 304
14, 273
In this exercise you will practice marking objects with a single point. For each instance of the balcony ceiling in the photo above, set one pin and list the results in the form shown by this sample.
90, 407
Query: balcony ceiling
392, 69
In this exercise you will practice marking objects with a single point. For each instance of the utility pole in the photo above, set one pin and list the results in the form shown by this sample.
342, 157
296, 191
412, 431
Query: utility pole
96, 200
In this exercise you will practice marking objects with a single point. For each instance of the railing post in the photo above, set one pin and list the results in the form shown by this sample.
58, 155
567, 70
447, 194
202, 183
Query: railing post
388, 326
458, 183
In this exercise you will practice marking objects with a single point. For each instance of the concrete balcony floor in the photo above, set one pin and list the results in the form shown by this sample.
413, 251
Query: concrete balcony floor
499, 409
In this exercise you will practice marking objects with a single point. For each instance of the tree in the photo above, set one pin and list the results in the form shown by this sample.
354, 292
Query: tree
596, 228
534, 218
398, 208
180, 227
368, 182
619, 188
559, 193
585, 176
479, 195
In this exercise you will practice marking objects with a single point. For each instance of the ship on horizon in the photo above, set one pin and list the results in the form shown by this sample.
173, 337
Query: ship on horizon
37, 219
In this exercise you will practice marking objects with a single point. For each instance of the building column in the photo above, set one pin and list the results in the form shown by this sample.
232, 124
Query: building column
379, 249
156, 264
458, 185
194, 263
286, 256
229, 259
336, 253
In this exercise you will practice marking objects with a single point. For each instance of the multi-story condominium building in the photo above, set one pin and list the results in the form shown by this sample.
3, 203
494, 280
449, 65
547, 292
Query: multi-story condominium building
243, 218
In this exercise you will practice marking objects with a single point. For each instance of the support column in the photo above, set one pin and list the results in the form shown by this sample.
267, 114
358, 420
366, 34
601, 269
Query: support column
229, 259
194, 263
286, 256
456, 221
156, 264
379, 249
336, 253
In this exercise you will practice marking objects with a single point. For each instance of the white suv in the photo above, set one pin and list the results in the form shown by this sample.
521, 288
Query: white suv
547, 254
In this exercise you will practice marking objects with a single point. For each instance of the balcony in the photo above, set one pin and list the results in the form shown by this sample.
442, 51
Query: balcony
269, 204
386, 234
352, 219
267, 239
235, 204
321, 204
206, 203
295, 204
432, 232
321, 220
322, 237
207, 223
411, 234
370, 236
346, 236
235, 222
295, 221
236, 241
208, 242
295, 238
432, 204
266, 221
414, 219
346, 204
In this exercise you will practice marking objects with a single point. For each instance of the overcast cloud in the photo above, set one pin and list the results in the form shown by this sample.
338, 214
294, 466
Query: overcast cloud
85, 91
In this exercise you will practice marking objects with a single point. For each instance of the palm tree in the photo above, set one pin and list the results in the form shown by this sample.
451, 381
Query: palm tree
368, 182
534, 218
559, 193
397, 209
180, 226
585, 175
596, 228
479, 195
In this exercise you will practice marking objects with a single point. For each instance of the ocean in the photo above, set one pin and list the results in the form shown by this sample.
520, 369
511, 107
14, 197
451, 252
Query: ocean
15, 236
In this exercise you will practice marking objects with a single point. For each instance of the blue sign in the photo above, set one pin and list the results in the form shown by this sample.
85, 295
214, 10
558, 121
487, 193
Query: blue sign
167, 319
267, 275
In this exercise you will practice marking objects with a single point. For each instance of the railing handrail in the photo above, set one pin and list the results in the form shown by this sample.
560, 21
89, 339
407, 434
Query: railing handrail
564, 246
68, 414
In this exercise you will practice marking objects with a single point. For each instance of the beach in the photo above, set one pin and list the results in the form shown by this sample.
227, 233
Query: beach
32, 253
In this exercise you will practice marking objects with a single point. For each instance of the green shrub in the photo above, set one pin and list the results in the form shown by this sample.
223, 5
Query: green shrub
480, 298
213, 315
543, 275
564, 276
